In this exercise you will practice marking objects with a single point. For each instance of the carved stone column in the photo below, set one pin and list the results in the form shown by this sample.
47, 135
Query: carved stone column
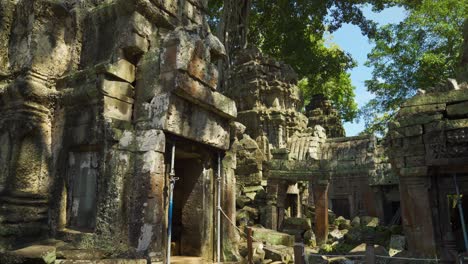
417, 217
321, 212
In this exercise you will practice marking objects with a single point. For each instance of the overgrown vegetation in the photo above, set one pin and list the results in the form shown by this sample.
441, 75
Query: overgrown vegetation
418, 52
421, 51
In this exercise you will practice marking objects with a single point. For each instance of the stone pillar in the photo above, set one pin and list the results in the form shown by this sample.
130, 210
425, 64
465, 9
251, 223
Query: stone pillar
416, 216
281, 202
24, 199
321, 212
148, 217
230, 236
270, 218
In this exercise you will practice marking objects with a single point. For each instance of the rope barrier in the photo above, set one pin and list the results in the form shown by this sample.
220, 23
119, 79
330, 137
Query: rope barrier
234, 225
403, 258
334, 256
377, 256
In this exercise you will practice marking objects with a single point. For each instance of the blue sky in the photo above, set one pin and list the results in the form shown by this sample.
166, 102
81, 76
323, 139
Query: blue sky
350, 39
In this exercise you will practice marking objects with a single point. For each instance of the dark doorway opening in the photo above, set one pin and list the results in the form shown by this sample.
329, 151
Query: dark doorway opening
392, 213
192, 218
341, 207
82, 174
292, 205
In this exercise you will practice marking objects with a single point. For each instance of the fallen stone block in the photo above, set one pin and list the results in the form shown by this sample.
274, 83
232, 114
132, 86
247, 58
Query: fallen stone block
397, 244
297, 223
369, 221
279, 253
272, 237
342, 223
361, 249
80, 254
38, 254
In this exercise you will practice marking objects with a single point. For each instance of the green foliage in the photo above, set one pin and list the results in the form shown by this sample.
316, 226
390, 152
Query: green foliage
293, 31
417, 53
338, 89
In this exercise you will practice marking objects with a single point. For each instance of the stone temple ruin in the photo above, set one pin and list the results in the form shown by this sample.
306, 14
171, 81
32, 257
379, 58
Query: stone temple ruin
107, 105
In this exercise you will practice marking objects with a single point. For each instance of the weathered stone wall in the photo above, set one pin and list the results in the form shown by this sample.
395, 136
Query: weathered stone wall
427, 146
359, 167
91, 91
277, 149
321, 112
266, 96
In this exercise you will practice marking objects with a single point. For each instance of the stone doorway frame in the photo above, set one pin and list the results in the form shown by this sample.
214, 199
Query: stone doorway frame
208, 157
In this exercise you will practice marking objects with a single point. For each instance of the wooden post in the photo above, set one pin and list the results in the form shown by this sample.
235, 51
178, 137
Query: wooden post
370, 251
299, 253
249, 245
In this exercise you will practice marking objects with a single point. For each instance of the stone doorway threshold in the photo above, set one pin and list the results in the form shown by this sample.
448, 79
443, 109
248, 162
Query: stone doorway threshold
188, 260
192, 260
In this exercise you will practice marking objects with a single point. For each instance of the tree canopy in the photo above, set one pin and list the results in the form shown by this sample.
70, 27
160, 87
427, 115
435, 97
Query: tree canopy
293, 31
419, 52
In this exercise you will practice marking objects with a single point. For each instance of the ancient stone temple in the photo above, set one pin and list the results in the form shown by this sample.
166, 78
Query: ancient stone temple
285, 166
428, 147
321, 112
118, 146
95, 98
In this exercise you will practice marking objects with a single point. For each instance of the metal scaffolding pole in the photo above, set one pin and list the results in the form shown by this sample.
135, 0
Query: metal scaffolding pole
460, 210
172, 181
218, 225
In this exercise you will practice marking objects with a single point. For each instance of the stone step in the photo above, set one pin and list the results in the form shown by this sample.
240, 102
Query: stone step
188, 260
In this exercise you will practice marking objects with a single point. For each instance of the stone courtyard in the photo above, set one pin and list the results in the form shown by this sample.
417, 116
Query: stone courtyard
121, 141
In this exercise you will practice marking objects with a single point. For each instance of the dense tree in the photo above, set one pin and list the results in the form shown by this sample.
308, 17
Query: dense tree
293, 31
419, 52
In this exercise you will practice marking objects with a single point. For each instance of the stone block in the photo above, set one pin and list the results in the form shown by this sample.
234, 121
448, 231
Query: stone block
154, 140
249, 179
411, 130
204, 71
342, 223
114, 88
117, 109
420, 109
412, 141
438, 98
419, 119
279, 254
297, 223
456, 124
337, 234
121, 69
151, 162
247, 189
80, 254
369, 221
434, 126
193, 90
413, 171
14, 213
134, 45
459, 109
415, 161
397, 244
194, 122
35, 254
272, 237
